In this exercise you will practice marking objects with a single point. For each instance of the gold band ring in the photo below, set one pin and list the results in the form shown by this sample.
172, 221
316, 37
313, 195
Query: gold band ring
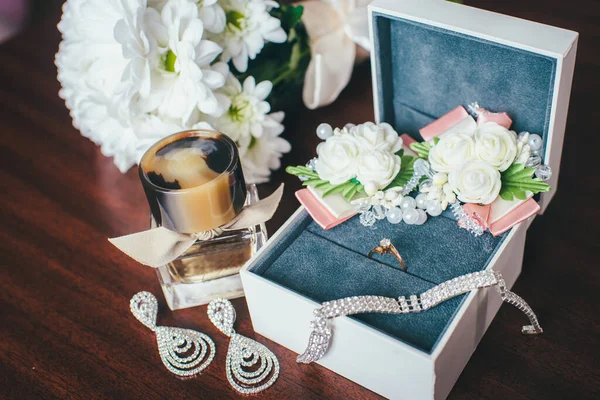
386, 247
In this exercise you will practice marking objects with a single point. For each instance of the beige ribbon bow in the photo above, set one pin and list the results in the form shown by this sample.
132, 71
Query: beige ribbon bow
159, 246
335, 27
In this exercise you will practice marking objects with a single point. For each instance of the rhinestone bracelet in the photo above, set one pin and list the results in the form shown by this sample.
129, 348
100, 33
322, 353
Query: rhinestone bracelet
320, 336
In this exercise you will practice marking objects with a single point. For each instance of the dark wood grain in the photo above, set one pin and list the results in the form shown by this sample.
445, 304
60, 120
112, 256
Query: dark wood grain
65, 326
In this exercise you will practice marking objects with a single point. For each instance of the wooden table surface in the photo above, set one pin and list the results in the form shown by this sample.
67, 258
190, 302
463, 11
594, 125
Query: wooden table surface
65, 326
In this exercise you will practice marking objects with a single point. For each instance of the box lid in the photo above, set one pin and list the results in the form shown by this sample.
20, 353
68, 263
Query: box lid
430, 56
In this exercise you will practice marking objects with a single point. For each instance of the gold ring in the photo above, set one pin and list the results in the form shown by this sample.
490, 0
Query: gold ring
386, 247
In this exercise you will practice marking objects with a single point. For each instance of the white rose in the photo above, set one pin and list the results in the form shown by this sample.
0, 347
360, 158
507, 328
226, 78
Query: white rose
337, 159
475, 182
377, 166
453, 150
496, 145
370, 136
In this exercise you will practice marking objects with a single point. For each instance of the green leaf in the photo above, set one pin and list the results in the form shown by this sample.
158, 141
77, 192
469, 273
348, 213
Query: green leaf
290, 16
313, 182
421, 148
337, 188
301, 171
518, 180
349, 194
347, 189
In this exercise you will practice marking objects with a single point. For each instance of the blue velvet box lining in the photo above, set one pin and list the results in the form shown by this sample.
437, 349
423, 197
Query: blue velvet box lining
422, 73
425, 71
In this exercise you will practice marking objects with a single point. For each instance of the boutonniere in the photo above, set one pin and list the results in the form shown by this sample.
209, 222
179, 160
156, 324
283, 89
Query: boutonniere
366, 164
482, 170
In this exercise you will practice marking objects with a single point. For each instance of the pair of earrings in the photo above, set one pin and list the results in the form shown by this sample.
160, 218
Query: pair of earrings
250, 366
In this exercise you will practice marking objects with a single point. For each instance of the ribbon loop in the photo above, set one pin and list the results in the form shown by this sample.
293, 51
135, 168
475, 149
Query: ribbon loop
335, 27
159, 246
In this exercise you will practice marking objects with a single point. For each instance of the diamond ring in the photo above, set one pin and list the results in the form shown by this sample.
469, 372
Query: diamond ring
386, 247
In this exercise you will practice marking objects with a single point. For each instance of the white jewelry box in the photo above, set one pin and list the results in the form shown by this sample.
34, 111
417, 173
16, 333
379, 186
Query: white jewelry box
300, 266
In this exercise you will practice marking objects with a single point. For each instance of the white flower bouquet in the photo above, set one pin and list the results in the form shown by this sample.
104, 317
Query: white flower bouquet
134, 71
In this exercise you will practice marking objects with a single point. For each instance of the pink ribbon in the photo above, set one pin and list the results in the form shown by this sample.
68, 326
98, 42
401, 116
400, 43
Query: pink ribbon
528, 209
481, 215
500, 118
444, 123
319, 213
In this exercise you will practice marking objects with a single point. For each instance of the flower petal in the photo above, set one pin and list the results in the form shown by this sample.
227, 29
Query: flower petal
206, 52
240, 62
263, 90
249, 85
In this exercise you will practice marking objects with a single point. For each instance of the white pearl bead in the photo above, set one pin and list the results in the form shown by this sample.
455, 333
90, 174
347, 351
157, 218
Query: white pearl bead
349, 126
411, 216
370, 188
324, 131
408, 203
391, 195
394, 215
434, 208
421, 200
422, 217
535, 142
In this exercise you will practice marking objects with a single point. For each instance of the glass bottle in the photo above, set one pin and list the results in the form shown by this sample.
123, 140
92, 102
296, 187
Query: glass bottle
194, 183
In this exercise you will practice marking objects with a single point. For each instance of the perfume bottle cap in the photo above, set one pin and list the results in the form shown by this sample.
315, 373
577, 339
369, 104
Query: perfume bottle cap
193, 181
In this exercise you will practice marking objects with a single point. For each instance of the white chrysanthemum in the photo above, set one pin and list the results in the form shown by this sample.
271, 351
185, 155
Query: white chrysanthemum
249, 25
136, 33
185, 80
263, 154
109, 54
248, 113
210, 12
135, 71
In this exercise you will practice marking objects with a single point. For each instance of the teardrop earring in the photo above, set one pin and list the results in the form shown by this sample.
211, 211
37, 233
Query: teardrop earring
250, 366
183, 351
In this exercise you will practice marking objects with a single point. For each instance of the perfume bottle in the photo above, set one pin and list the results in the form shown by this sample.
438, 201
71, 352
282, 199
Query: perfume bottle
194, 183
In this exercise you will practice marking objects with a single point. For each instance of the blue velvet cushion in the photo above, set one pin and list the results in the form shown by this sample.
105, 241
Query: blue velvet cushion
328, 265
425, 71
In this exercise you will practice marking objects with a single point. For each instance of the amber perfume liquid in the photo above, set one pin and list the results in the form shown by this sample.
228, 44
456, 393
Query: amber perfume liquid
216, 258
210, 269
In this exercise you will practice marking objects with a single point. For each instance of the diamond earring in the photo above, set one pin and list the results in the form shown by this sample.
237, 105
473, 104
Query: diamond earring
249, 364
183, 351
